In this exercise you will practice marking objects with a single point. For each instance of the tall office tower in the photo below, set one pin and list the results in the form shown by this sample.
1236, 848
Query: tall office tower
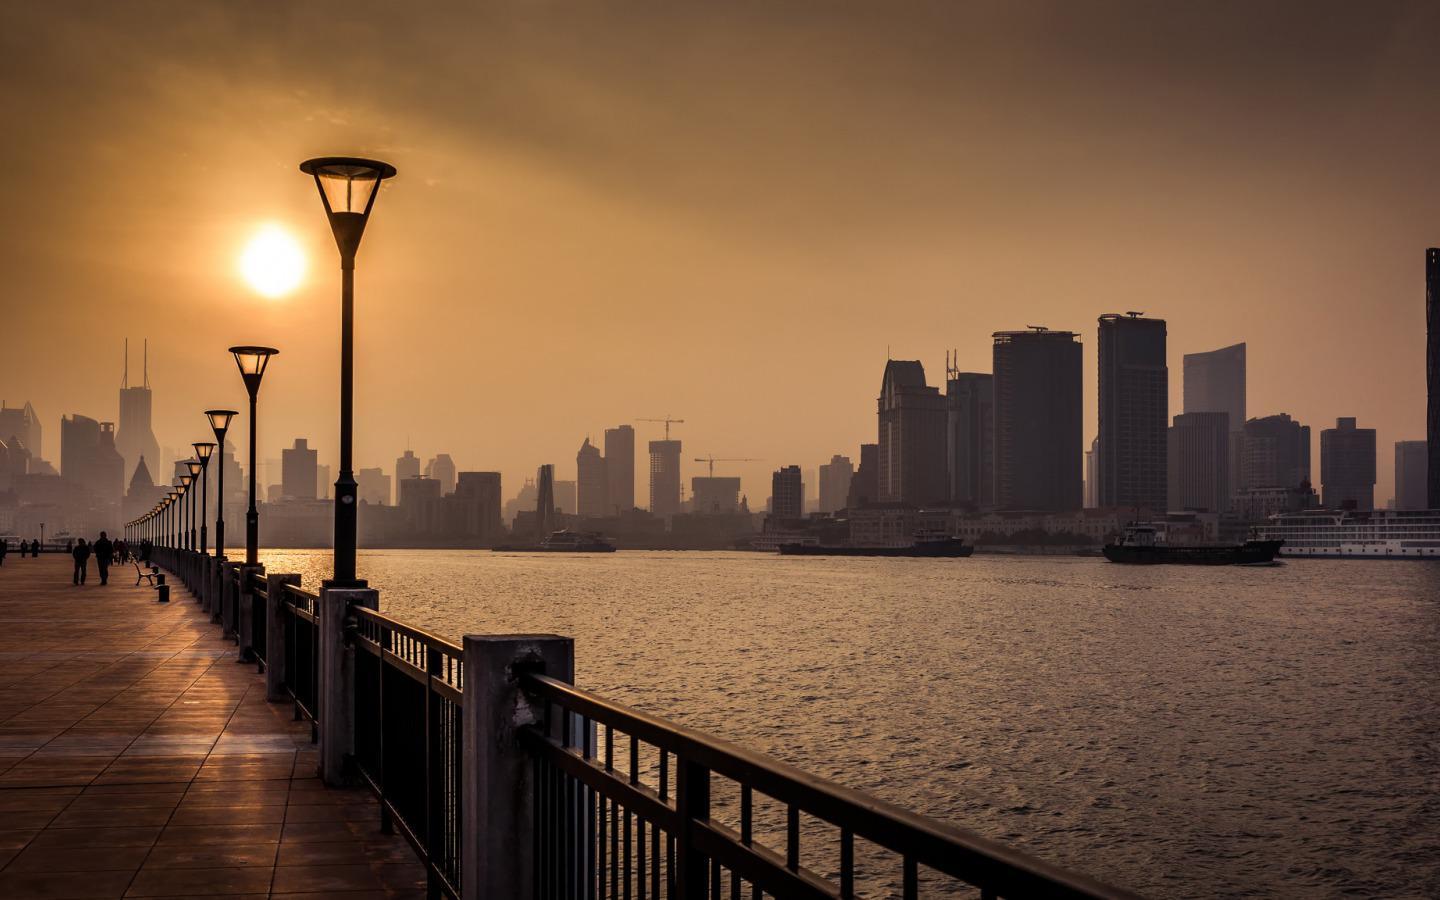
620, 469
20, 423
834, 478
442, 469
478, 496
714, 494
912, 420
564, 492
89, 459
545, 512
407, 466
787, 494
1038, 420
1411, 479
592, 481
1092, 474
298, 473
865, 485
142, 494
664, 478
323, 482
135, 436
1200, 462
1215, 382
1432, 376
374, 486
1134, 412
1347, 466
970, 437
1275, 453
420, 504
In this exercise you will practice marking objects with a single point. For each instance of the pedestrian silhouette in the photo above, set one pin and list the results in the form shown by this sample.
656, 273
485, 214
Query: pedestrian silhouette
104, 555
81, 553
4, 549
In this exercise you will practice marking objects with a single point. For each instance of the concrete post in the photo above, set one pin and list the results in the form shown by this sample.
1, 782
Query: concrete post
222, 596
497, 831
238, 622
275, 637
336, 690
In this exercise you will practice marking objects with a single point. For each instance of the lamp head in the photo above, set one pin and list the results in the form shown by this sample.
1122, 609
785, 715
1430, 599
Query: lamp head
220, 421
203, 451
252, 362
348, 187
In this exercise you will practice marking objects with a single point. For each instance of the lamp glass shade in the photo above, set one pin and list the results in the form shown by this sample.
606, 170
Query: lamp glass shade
194, 465
347, 184
203, 451
220, 420
253, 360
185, 481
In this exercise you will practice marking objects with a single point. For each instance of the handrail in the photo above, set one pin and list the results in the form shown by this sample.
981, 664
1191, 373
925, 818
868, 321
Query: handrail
945, 848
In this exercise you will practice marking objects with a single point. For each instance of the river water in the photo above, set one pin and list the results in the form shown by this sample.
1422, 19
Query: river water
1185, 732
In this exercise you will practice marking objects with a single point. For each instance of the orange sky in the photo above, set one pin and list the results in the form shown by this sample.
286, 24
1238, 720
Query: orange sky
723, 211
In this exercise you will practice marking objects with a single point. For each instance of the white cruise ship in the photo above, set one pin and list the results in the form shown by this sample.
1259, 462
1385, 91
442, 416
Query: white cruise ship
1344, 534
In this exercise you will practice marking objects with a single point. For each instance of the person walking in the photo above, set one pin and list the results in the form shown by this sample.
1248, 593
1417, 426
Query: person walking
104, 556
4, 549
34, 548
81, 553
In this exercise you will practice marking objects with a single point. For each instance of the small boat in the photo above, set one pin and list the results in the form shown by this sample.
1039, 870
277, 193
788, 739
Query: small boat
943, 547
1139, 546
564, 541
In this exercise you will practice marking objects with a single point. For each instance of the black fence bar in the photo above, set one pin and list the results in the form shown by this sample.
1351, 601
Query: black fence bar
301, 610
259, 603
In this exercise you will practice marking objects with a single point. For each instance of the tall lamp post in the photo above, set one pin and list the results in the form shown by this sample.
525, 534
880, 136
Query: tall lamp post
195, 467
348, 187
252, 362
185, 479
202, 453
170, 530
220, 423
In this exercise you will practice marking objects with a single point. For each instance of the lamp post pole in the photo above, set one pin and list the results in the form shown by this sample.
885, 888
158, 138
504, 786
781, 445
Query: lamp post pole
203, 452
252, 362
220, 423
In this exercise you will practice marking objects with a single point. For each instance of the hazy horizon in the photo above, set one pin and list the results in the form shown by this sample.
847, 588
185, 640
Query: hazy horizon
729, 215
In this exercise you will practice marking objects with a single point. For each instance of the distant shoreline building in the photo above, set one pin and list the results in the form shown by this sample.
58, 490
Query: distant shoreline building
787, 494
970, 437
592, 481
299, 473
619, 469
912, 422
1347, 466
135, 433
1214, 381
1133, 412
1411, 474
1039, 404
834, 477
1199, 466
665, 478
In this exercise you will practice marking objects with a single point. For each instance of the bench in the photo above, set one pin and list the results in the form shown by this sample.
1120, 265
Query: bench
142, 575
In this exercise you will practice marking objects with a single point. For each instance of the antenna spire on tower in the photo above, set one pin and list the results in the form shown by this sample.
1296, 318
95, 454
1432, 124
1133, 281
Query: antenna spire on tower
125, 378
147, 364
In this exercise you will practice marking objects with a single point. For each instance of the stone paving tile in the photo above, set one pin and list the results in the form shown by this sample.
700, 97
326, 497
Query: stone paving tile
138, 759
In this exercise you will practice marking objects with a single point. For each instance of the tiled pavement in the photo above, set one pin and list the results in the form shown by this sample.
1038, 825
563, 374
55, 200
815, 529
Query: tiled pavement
139, 759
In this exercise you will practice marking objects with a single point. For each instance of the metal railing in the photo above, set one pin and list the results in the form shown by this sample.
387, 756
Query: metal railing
408, 737
632, 805
260, 599
300, 611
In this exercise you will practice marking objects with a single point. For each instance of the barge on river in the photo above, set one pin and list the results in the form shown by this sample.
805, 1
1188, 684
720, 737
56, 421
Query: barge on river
1141, 545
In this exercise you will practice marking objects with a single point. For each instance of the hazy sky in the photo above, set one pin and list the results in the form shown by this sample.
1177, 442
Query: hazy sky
727, 212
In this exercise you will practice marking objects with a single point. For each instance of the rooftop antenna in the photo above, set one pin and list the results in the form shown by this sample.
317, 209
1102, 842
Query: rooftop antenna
125, 379
147, 364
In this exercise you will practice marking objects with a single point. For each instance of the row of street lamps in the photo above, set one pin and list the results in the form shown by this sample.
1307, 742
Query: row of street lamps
348, 187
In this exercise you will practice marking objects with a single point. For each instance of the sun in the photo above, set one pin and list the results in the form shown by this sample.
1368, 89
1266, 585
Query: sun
273, 262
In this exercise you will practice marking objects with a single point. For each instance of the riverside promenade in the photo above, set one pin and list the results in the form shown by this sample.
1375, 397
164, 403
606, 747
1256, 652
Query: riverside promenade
138, 758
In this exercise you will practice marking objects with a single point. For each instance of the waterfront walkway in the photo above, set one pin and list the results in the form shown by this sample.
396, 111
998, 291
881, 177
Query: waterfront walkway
139, 759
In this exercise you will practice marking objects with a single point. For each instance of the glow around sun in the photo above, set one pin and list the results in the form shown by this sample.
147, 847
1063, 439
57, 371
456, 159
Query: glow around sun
273, 263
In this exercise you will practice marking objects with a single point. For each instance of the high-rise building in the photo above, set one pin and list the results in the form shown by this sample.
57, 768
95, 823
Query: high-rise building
1199, 464
1038, 420
1215, 382
714, 494
135, 434
477, 496
1275, 453
1092, 476
407, 466
323, 482
787, 494
912, 419
420, 504
545, 512
1134, 412
1432, 376
442, 469
1347, 466
834, 478
89, 459
298, 475
865, 485
20, 423
592, 481
565, 496
664, 478
620, 469
970, 437
374, 486
1411, 475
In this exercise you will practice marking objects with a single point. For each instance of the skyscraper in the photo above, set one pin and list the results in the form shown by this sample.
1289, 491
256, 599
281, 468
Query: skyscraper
88, 457
1134, 412
1038, 420
477, 496
1215, 382
135, 435
545, 512
834, 478
1432, 375
787, 494
1199, 467
865, 485
374, 486
298, 471
970, 437
714, 494
442, 469
20, 423
407, 466
1347, 466
664, 478
1411, 476
912, 421
1275, 453
620, 469
592, 481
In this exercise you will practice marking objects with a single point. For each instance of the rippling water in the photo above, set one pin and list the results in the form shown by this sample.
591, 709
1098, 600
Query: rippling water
1179, 731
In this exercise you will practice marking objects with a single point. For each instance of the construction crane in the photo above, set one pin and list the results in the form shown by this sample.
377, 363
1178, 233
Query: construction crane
668, 422
712, 460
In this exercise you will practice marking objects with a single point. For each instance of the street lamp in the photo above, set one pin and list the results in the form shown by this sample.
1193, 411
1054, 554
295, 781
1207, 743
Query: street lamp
186, 520
195, 466
202, 452
170, 499
252, 362
220, 423
348, 188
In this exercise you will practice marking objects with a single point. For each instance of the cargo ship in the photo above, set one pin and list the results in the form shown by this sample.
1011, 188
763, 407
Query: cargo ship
924, 547
1139, 545
563, 542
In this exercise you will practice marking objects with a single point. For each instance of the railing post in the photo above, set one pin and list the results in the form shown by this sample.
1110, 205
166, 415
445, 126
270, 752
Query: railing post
237, 615
692, 803
335, 693
497, 830
275, 636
